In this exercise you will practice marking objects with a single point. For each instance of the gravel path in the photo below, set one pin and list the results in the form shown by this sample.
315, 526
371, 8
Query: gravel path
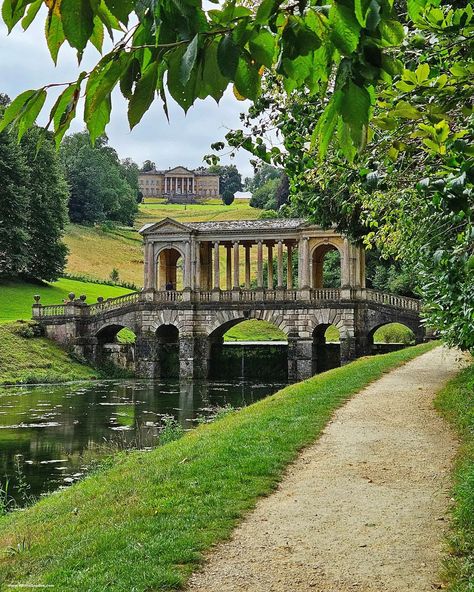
364, 508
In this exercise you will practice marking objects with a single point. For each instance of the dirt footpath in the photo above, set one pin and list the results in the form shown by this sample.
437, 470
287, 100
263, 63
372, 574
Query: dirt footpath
363, 509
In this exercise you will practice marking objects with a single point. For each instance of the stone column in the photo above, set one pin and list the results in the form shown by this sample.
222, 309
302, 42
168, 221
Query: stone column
236, 266
216, 266
228, 270
270, 265
260, 264
289, 270
305, 263
197, 278
280, 265
187, 266
146, 267
152, 269
300, 358
146, 356
247, 266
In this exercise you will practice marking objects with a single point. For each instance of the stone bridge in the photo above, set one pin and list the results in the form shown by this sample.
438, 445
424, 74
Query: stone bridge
188, 303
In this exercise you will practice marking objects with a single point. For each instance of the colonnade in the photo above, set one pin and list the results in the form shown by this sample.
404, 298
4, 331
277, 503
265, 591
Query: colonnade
180, 185
208, 264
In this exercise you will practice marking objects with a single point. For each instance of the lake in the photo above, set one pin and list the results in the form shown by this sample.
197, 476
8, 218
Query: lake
51, 434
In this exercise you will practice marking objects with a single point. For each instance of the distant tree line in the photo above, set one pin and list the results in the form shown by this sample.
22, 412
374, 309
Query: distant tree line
269, 187
41, 190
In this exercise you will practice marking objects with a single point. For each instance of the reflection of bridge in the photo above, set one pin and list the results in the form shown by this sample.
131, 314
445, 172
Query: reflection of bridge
201, 265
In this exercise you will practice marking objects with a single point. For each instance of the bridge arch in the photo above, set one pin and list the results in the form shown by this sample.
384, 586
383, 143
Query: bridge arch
224, 320
167, 338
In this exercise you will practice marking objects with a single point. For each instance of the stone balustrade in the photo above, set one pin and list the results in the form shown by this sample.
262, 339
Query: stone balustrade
78, 307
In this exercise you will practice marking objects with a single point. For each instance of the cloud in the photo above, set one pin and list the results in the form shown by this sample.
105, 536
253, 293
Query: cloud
25, 63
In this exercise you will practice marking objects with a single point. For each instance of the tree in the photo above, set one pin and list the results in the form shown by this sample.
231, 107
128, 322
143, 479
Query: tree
264, 196
98, 182
230, 180
14, 204
47, 208
263, 173
147, 166
131, 171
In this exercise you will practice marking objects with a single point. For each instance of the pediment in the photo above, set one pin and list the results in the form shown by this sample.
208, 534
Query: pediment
165, 226
179, 170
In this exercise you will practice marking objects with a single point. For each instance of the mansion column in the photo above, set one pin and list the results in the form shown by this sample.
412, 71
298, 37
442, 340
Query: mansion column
260, 264
228, 270
280, 264
247, 266
270, 265
236, 266
289, 267
216, 266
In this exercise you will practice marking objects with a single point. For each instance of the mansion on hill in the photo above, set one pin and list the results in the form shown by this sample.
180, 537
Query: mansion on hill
179, 185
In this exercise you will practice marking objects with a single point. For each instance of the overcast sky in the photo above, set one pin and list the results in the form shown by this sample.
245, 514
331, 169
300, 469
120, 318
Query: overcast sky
25, 64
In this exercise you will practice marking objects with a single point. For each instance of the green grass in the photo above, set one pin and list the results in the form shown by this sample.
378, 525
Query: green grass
35, 359
255, 330
16, 297
144, 522
456, 403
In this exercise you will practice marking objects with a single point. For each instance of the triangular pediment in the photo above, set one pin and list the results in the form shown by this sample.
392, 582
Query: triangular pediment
164, 226
179, 170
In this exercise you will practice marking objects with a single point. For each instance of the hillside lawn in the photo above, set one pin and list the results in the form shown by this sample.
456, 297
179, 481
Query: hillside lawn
16, 297
29, 360
145, 520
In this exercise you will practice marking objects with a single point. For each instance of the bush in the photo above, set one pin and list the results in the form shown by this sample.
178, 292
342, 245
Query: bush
228, 198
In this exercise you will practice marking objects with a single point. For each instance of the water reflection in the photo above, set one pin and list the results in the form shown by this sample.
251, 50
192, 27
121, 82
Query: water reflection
48, 433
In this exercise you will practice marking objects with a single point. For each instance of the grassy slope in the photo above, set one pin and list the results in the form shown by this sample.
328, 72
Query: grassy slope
16, 298
95, 252
34, 359
143, 523
456, 403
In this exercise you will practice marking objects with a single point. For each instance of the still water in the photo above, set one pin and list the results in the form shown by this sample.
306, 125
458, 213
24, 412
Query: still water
50, 434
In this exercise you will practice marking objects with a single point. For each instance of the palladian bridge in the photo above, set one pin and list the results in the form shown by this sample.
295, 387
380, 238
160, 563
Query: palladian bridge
202, 278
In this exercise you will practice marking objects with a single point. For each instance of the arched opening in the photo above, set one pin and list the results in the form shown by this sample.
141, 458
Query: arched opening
116, 348
326, 348
168, 351
390, 337
248, 349
170, 270
326, 264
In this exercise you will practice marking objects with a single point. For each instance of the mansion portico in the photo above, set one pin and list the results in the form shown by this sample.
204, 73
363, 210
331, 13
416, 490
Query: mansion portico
179, 185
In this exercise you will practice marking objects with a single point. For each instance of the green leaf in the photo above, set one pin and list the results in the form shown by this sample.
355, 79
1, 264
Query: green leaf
406, 111
189, 60
31, 14
361, 9
130, 75
228, 56
345, 29
415, 9
184, 95
324, 130
355, 111
78, 22
247, 79
102, 81
30, 112
97, 38
213, 82
16, 106
265, 10
422, 73
262, 47
13, 11
144, 94
121, 9
392, 32
100, 118
54, 34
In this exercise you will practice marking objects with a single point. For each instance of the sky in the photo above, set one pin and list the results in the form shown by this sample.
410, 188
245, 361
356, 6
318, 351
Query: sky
25, 63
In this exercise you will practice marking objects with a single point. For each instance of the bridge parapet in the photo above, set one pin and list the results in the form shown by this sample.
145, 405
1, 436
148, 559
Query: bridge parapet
174, 298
